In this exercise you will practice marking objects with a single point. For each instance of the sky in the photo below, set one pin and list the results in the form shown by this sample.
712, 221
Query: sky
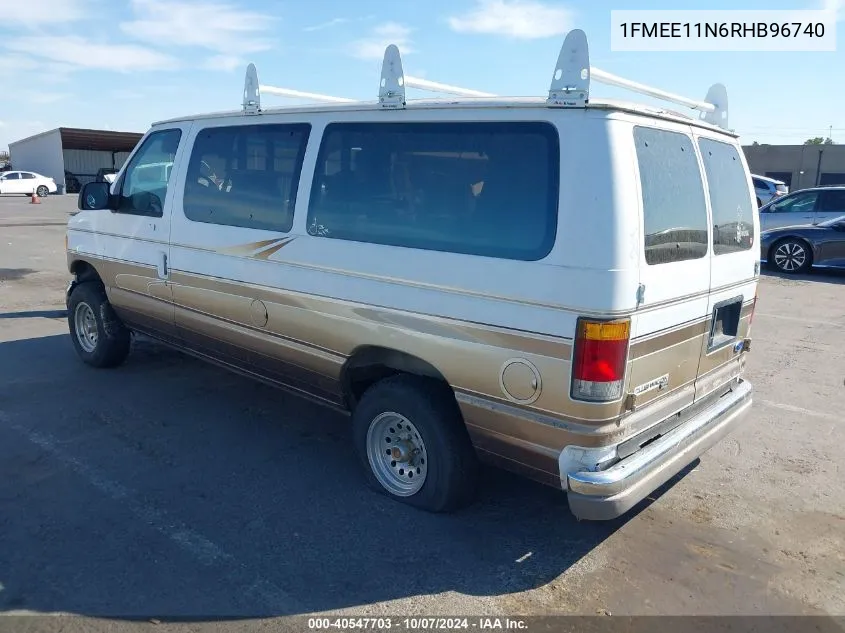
124, 64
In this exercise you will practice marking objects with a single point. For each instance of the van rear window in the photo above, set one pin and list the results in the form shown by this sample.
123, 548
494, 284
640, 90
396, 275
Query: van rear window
472, 187
674, 207
730, 199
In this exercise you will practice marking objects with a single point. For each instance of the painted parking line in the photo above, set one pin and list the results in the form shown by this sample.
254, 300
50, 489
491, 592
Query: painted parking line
272, 598
801, 410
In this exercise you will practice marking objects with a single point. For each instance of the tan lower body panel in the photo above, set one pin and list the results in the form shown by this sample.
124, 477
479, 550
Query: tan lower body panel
512, 387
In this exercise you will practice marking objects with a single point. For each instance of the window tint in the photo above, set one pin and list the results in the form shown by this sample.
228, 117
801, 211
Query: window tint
674, 209
730, 200
759, 184
479, 188
27, 175
13, 176
832, 201
804, 202
246, 175
143, 189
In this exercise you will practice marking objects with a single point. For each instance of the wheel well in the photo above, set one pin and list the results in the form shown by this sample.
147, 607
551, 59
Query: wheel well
371, 364
84, 271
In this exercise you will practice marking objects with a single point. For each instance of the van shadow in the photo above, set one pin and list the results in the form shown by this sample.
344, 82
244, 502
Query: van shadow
173, 489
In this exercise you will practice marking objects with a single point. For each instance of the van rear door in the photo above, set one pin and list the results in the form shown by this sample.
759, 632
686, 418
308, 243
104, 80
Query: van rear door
675, 265
734, 260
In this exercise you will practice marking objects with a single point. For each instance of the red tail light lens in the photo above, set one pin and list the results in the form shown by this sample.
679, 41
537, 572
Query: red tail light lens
600, 356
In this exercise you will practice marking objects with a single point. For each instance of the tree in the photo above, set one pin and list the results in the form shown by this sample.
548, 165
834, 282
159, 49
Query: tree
818, 140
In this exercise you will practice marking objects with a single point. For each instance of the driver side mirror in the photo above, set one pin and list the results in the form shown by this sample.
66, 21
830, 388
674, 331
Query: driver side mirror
95, 196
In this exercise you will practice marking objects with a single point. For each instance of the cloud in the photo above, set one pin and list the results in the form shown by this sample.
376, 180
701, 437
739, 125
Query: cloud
335, 22
519, 19
39, 97
215, 26
76, 52
224, 63
372, 47
836, 7
326, 25
41, 12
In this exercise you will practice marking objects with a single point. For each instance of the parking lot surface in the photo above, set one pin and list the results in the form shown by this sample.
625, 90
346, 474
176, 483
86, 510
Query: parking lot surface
169, 487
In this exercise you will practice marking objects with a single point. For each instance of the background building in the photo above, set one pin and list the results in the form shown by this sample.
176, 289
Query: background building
799, 166
72, 154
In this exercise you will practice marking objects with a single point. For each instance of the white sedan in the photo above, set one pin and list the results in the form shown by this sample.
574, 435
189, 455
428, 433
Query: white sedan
25, 182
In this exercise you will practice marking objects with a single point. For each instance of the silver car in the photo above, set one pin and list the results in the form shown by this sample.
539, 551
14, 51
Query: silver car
806, 206
766, 189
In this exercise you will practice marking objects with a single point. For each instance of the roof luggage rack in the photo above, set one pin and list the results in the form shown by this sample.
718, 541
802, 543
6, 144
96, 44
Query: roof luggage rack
570, 85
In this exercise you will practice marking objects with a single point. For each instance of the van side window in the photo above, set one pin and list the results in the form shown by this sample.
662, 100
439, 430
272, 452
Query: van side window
674, 208
476, 188
730, 199
246, 175
143, 186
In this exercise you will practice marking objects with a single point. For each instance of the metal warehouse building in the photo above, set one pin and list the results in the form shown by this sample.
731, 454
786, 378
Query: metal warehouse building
71, 153
799, 166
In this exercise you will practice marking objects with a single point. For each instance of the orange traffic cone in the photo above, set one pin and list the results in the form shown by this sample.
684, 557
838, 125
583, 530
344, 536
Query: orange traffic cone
35, 199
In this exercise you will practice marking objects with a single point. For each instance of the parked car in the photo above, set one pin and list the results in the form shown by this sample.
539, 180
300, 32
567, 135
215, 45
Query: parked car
451, 275
25, 182
797, 249
767, 189
805, 206
72, 184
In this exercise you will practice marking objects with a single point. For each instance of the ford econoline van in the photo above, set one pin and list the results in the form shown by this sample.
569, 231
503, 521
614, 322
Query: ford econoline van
560, 286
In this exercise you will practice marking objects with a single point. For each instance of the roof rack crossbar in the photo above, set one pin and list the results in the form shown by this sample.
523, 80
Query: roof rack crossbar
298, 94
570, 86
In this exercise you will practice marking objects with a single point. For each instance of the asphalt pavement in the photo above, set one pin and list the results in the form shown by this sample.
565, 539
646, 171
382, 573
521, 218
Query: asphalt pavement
170, 488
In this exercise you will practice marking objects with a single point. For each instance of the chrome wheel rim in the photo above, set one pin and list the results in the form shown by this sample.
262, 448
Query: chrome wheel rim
85, 324
790, 256
397, 455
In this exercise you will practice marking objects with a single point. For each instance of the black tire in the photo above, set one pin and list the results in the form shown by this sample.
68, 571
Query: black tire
42, 191
113, 339
452, 470
791, 255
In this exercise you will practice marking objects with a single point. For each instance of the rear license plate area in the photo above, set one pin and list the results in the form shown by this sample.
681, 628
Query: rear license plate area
724, 326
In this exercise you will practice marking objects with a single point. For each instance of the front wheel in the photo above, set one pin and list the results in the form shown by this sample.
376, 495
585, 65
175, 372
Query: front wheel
791, 256
413, 444
98, 335
42, 191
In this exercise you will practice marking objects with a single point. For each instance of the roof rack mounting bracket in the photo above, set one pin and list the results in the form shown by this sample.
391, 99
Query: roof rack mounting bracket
252, 95
391, 92
718, 97
570, 87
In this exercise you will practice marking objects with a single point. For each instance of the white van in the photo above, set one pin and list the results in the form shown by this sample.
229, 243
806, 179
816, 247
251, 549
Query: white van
559, 286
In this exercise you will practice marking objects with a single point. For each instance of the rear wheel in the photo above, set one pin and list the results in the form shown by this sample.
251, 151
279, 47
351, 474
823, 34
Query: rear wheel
42, 191
98, 335
791, 256
413, 445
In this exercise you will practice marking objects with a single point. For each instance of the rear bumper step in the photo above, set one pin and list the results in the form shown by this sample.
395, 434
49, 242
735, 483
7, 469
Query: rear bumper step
607, 494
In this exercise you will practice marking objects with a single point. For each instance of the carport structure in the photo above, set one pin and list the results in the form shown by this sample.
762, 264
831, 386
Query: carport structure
72, 156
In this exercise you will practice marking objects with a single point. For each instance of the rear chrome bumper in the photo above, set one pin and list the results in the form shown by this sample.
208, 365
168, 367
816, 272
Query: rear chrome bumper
606, 494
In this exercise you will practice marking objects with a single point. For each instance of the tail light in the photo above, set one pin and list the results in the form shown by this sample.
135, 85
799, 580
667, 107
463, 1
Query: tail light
600, 357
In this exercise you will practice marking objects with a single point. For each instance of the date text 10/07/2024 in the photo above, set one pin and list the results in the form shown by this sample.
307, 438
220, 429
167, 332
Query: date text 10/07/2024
416, 624
663, 30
